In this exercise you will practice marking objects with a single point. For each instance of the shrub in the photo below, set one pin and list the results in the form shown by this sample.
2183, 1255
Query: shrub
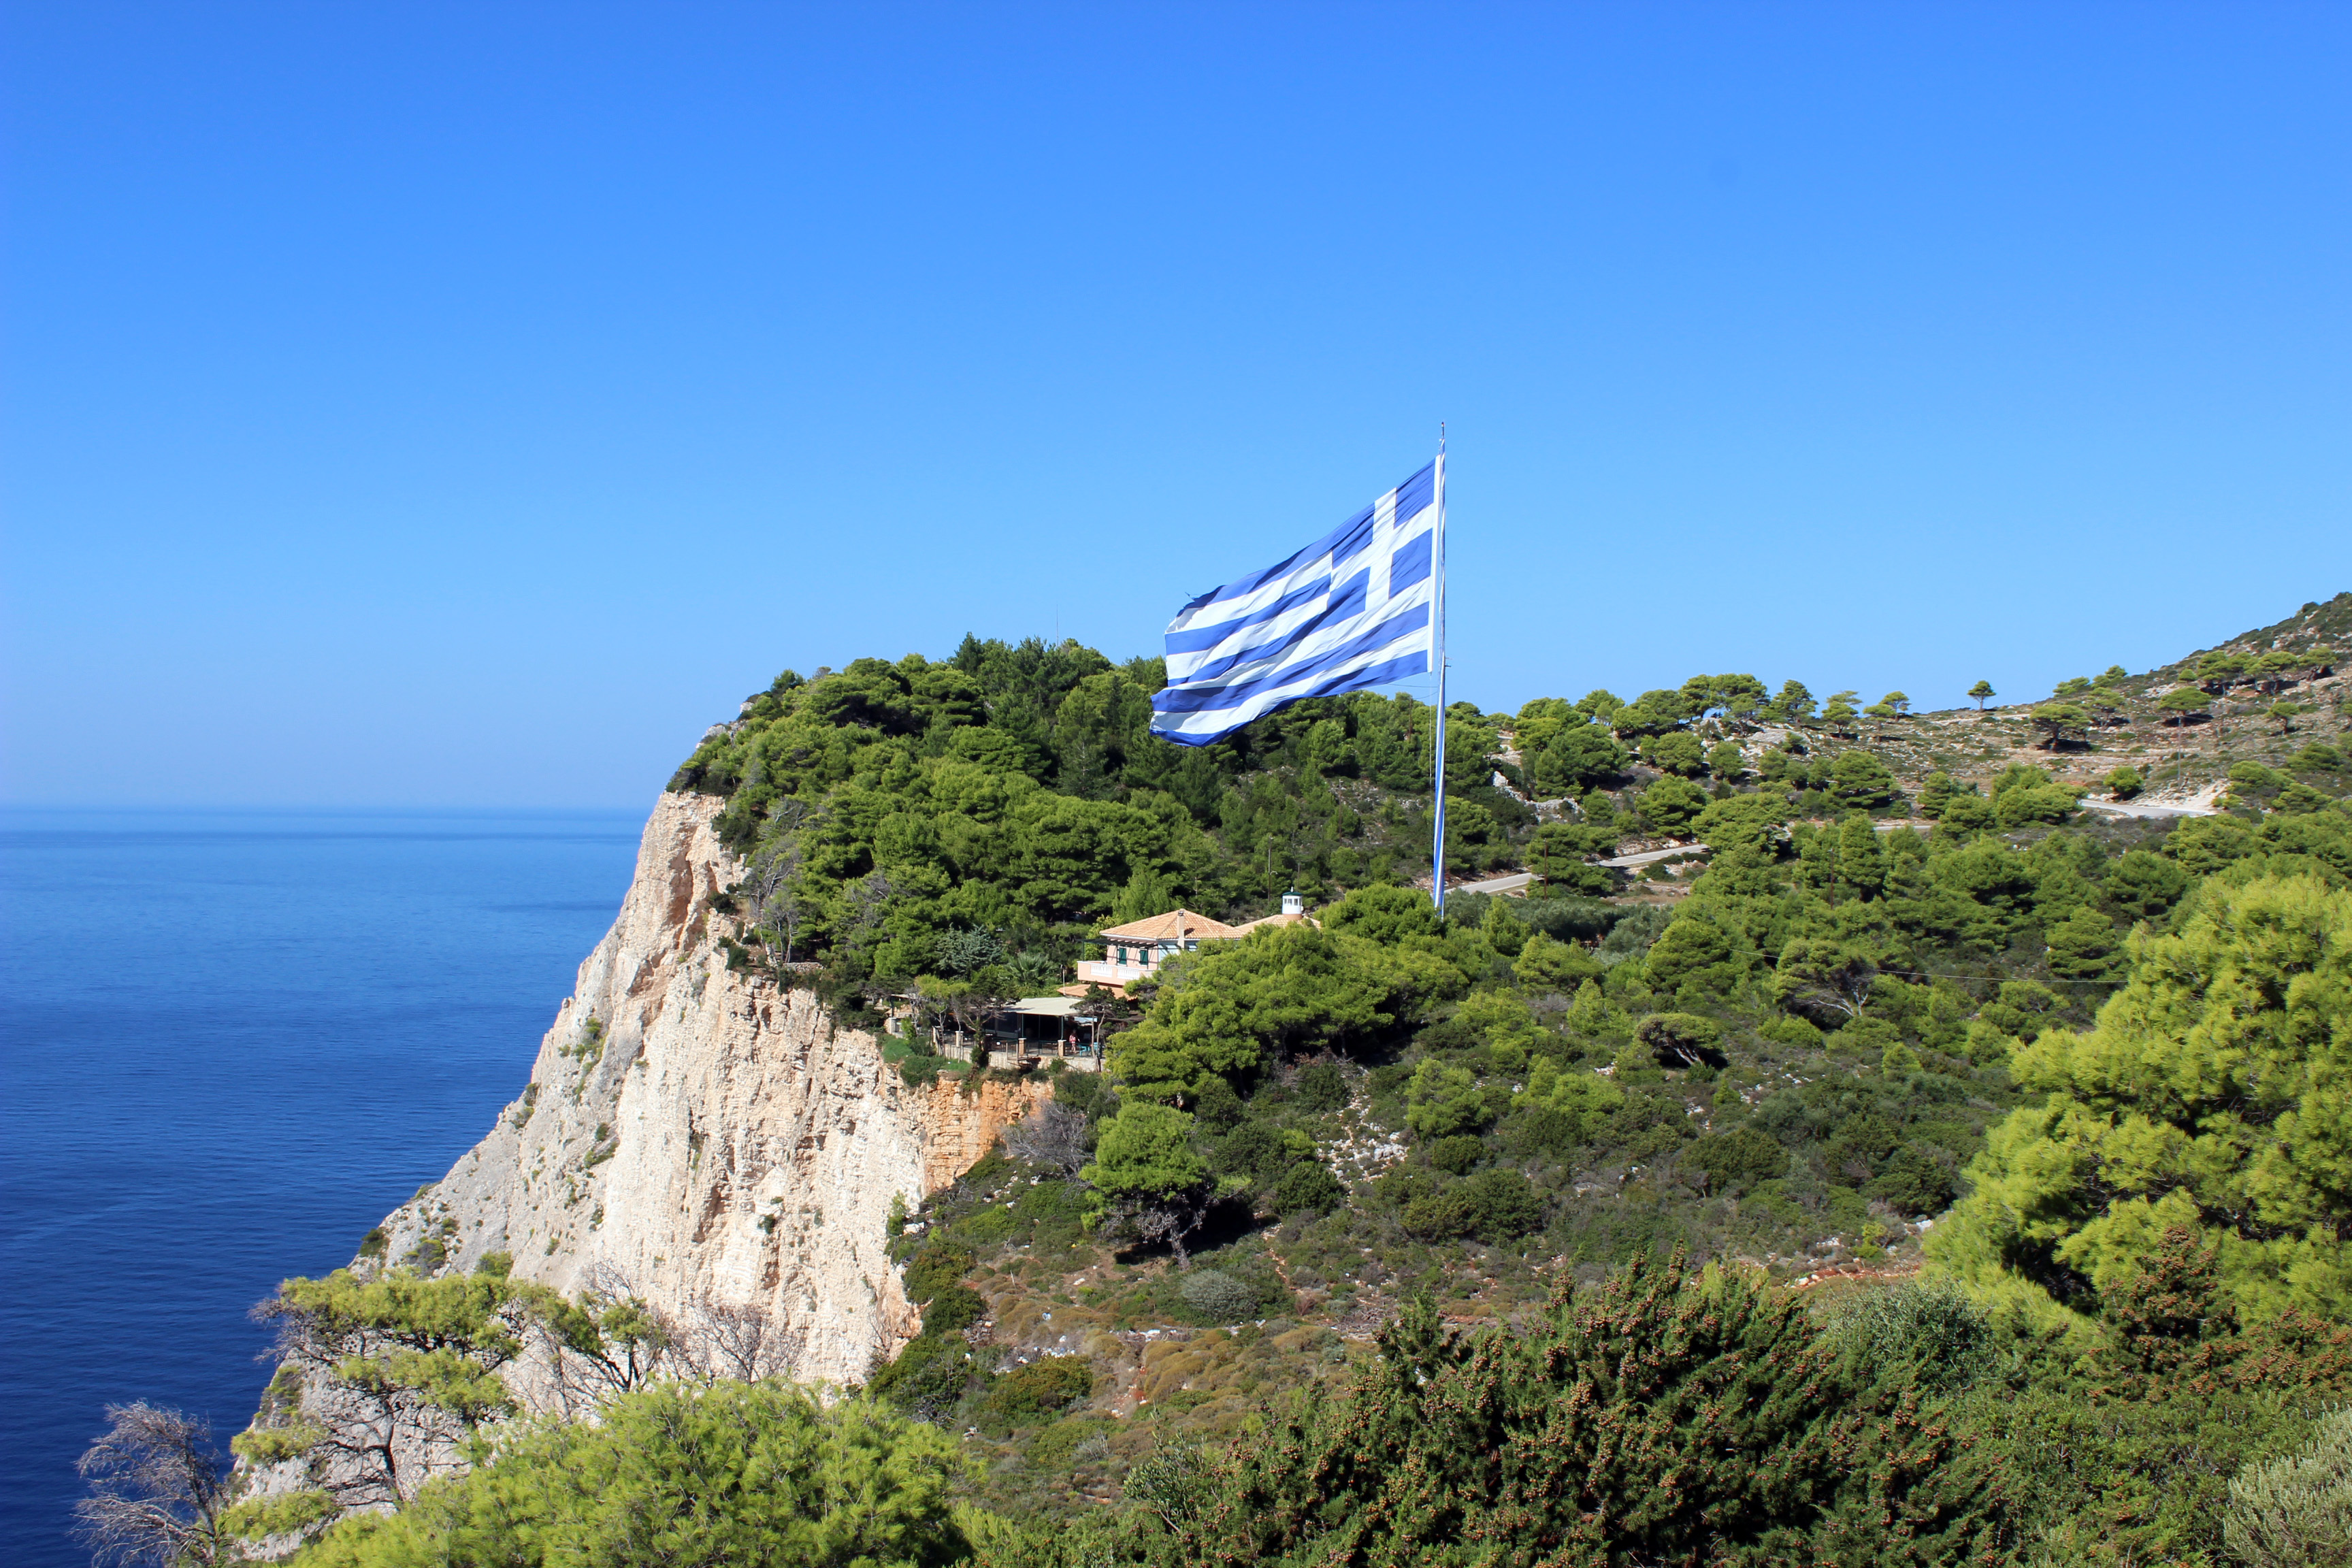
934, 1270
1056, 1447
1218, 1296
1308, 1187
1084, 1093
1544, 1131
2195, 1392
930, 1376
1662, 1419
589, 1046
1554, 966
954, 1309
987, 1226
2031, 803
1738, 1160
1569, 918
1494, 1205
1790, 1030
1853, 1150
1919, 1178
1443, 1101
2296, 1512
1051, 1200
1943, 1337
1253, 1149
1042, 1387
1632, 936
1217, 1107
1322, 1087
1458, 1156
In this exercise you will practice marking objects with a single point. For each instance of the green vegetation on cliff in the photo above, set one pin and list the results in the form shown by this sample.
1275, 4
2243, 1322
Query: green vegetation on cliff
1789, 1058
1908, 1165
1015, 792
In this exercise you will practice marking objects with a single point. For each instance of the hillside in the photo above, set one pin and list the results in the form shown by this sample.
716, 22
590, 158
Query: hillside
1799, 1041
1890, 994
2182, 755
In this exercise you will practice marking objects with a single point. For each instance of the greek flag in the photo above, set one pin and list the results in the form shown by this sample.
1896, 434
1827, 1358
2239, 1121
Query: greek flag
1351, 610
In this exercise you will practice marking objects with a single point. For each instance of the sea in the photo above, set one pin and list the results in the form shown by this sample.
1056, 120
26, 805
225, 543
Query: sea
230, 1042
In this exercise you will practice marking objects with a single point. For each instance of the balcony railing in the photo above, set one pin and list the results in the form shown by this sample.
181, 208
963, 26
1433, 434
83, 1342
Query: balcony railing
1097, 972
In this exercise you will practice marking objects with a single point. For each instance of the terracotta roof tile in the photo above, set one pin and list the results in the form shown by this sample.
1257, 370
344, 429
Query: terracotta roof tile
1175, 925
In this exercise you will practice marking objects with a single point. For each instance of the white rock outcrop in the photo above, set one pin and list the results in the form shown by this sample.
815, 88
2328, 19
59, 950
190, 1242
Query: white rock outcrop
706, 1137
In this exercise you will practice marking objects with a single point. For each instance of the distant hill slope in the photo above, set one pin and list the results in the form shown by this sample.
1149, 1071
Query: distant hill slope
2181, 760
2316, 623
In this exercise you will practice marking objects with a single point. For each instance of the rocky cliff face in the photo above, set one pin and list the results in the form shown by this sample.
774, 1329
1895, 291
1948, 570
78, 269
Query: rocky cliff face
703, 1138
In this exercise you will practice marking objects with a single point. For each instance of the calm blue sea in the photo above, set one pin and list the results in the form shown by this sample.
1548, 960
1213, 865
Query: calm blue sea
229, 1042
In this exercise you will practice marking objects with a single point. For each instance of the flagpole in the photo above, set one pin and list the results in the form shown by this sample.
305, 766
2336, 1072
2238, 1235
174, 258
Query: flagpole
1437, 847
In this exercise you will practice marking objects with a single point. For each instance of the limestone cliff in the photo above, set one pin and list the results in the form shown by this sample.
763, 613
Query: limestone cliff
706, 1137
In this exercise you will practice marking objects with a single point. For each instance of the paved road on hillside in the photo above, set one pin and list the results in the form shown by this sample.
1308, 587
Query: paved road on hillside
1522, 879
2133, 808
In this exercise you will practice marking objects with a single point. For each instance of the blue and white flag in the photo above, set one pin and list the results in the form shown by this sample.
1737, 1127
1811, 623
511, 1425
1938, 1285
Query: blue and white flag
1351, 610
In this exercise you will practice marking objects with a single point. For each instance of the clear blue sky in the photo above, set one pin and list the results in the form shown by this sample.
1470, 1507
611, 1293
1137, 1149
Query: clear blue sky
468, 404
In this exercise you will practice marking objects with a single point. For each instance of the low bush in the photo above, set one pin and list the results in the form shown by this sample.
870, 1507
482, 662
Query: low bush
1218, 1296
929, 1377
1493, 1205
2296, 1512
934, 1268
1738, 1160
1041, 1388
954, 1309
1458, 1156
1661, 1419
1322, 1087
1308, 1187
1944, 1337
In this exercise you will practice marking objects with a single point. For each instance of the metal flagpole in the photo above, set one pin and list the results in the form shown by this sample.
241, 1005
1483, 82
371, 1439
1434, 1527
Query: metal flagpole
1437, 847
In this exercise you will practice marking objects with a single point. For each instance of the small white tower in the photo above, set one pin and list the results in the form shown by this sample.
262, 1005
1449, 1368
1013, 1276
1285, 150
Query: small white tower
1292, 904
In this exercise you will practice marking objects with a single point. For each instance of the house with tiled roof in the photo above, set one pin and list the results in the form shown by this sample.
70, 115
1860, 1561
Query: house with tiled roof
1136, 949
